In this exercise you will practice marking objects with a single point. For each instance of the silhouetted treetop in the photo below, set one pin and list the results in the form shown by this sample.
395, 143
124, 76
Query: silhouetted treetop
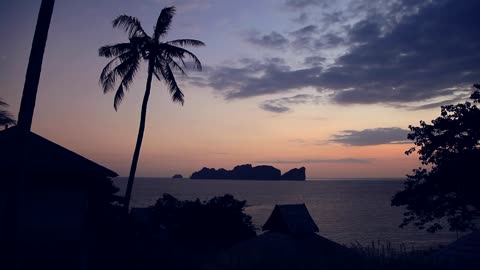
448, 187
220, 221
456, 131
163, 57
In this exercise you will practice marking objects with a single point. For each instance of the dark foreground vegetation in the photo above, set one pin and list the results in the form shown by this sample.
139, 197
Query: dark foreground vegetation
177, 234
217, 234
382, 255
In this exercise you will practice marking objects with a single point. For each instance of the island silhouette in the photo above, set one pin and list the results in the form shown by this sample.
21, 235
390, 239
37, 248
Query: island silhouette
248, 172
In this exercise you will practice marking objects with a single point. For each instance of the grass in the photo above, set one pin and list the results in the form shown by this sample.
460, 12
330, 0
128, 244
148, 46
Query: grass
383, 255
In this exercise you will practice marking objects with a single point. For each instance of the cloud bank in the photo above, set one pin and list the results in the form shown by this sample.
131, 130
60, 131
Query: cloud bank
368, 137
395, 59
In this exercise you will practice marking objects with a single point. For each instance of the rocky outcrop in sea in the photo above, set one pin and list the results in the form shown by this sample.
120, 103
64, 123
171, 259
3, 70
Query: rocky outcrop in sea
248, 172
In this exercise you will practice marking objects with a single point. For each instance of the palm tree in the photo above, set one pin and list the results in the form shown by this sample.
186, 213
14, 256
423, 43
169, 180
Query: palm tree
34, 68
6, 118
163, 58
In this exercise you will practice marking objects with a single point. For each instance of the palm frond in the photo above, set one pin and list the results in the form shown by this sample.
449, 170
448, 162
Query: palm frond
114, 50
119, 94
186, 42
180, 53
105, 81
127, 79
163, 22
173, 64
169, 78
6, 118
168, 57
177, 67
110, 72
130, 24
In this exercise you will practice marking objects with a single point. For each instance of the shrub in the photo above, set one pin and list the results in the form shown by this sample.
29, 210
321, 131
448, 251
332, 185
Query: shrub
220, 221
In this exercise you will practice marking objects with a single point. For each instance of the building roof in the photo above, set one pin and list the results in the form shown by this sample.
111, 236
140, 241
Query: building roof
291, 219
273, 250
45, 158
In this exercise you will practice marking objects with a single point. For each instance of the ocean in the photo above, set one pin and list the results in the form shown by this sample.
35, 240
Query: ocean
346, 211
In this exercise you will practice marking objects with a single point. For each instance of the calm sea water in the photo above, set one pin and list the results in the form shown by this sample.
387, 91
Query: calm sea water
345, 211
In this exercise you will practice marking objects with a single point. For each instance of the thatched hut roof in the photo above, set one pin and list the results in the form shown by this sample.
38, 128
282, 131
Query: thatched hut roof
45, 158
291, 219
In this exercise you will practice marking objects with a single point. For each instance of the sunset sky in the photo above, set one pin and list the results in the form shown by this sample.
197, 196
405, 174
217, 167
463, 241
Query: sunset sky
329, 85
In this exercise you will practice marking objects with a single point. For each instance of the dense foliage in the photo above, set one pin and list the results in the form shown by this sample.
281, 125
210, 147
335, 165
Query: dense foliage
220, 221
448, 187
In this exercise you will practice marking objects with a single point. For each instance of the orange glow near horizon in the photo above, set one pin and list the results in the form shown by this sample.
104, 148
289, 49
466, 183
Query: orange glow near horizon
210, 130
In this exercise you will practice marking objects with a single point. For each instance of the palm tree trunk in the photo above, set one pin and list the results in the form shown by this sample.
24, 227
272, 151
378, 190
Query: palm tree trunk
25, 116
34, 68
138, 146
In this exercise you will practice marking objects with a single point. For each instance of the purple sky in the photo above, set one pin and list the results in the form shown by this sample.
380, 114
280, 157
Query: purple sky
331, 85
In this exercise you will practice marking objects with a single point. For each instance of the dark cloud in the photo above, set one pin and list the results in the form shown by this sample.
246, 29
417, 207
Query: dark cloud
413, 62
364, 31
374, 136
305, 38
314, 61
311, 39
281, 105
297, 4
274, 40
332, 18
328, 41
385, 12
460, 96
255, 78
302, 18
275, 108
308, 161
430, 53
305, 31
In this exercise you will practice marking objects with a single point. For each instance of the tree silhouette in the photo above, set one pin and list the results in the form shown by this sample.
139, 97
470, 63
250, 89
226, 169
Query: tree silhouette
448, 188
34, 68
163, 59
6, 118
220, 221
